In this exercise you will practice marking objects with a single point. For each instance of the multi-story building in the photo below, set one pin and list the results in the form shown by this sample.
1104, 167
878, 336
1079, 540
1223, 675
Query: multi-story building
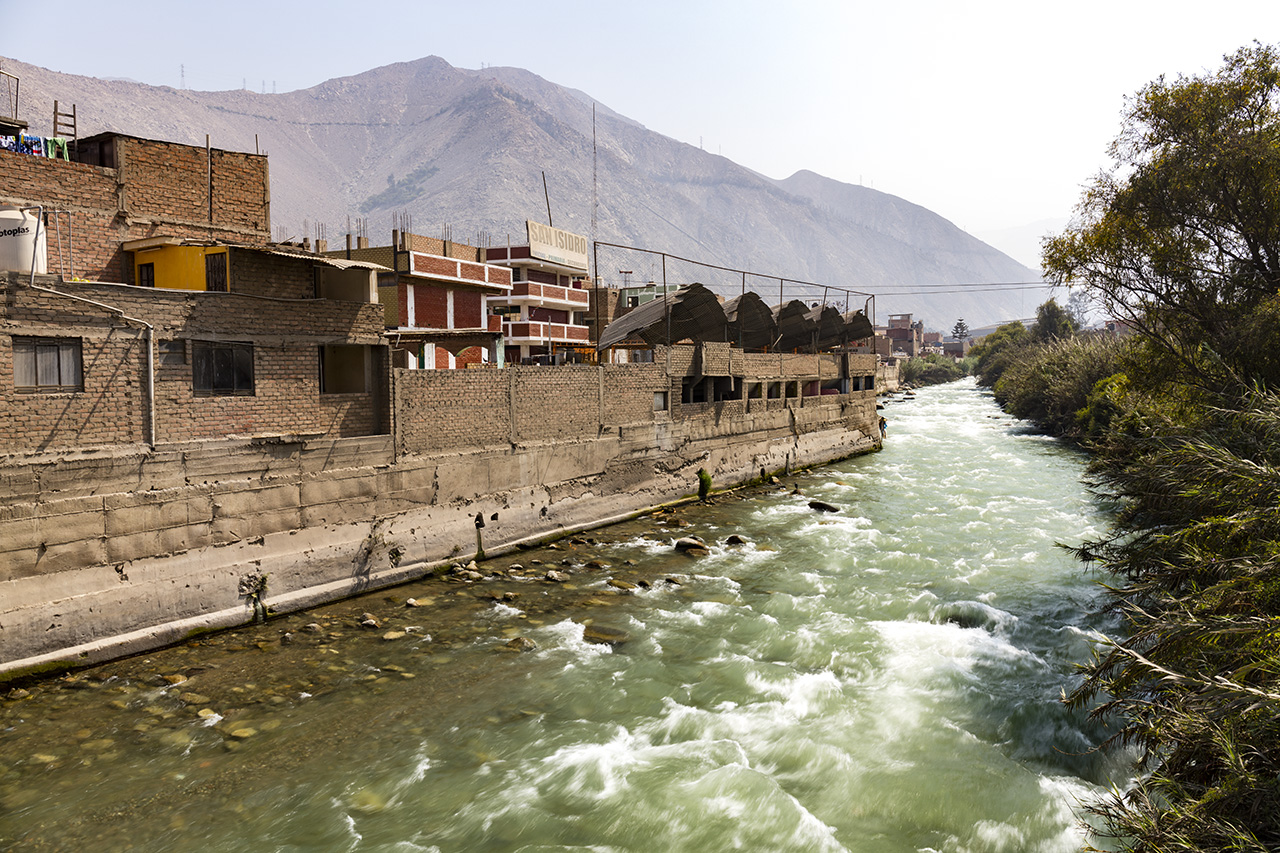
545, 313
437, 296
165, 315
905, 336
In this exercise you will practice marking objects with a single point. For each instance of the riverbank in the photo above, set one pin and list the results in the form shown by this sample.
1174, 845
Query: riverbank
886, 675
113, 551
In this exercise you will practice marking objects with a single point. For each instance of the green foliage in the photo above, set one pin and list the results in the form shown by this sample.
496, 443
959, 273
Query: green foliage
1182, 237
1053, 385
960, 331
1197, 683
704, 484
998, 350
1053, 323
931, 369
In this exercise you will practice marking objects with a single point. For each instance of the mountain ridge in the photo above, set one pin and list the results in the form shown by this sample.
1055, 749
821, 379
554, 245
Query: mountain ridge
466, 151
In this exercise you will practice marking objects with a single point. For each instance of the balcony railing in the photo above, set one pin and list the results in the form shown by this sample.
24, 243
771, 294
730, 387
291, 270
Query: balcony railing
533, 331
526, 291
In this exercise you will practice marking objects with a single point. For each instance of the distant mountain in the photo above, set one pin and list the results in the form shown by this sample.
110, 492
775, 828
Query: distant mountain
467, 150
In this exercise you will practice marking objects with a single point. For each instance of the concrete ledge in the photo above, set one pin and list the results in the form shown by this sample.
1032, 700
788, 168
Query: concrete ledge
88, 577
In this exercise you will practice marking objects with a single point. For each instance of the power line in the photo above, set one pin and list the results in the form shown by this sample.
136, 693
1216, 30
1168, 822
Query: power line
976, 288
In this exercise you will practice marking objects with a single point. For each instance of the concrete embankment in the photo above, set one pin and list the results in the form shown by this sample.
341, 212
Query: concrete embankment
113, 551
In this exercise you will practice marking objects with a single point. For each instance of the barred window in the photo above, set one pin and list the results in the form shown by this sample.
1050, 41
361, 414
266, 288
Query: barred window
215, 272
147, 275
47, 365
222, 368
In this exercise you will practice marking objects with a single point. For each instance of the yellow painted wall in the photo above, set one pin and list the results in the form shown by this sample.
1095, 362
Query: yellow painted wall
178, 267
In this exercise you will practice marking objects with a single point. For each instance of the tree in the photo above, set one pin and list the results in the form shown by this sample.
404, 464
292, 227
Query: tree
998, 350
1182, 236
960, 331
1078, 307
1052, 323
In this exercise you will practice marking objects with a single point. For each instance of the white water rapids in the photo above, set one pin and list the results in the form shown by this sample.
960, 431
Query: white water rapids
884, 678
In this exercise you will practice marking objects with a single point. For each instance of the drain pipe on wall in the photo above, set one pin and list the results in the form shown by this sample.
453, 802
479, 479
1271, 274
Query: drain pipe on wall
151, 332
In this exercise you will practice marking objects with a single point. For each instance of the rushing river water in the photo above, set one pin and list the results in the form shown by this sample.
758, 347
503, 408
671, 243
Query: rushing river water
881, 678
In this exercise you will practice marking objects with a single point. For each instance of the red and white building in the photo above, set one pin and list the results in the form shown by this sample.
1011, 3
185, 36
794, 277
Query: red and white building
436, 301
545, 311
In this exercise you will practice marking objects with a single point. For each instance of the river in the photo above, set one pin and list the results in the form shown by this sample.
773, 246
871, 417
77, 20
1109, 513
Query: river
880, 678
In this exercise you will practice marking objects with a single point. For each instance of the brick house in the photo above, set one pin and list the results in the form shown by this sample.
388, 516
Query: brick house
546, 309
435, 296
166, 315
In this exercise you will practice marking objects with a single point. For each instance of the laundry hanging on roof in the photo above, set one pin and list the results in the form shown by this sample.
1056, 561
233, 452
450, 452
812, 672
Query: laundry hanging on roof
28, 144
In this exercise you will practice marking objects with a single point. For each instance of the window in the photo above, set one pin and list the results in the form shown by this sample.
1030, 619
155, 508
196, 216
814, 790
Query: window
146, 275
343, 369
215, 272
172, 352
47, 365
222, 368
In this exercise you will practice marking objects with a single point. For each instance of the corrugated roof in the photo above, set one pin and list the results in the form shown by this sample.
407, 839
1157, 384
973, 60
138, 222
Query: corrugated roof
339, 263
795, 329
857, 326
751, 324
691, 312
829, 326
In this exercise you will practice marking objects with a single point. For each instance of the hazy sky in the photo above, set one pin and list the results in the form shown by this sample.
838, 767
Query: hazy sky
992, 114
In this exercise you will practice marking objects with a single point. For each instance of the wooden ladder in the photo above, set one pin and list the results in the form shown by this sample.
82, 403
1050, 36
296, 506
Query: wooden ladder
64, 125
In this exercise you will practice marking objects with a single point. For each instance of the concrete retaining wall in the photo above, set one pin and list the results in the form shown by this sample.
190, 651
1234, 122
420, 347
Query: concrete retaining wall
115, 551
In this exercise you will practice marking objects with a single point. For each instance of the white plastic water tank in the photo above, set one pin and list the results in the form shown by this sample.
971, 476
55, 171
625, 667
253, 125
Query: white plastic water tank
20, 240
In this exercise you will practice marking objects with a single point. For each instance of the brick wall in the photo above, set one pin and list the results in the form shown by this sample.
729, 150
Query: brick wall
468, 309
442, 410
271, 275
431, 307
112, 408
560, 402
439, 410
157, 188
629, 390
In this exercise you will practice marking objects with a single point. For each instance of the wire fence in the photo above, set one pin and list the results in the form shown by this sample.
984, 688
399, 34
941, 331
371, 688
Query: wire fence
645, 273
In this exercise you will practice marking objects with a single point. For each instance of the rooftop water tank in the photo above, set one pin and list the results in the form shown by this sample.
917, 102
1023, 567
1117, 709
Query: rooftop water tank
22, 237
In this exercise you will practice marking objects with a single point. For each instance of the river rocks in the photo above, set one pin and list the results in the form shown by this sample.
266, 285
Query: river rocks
823, 506
557, 577
313, 628
394, 635
605, 635
191, 699
367, 802
596, 564
618, 584
735, 539
692, 546
177, 678
521, 644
